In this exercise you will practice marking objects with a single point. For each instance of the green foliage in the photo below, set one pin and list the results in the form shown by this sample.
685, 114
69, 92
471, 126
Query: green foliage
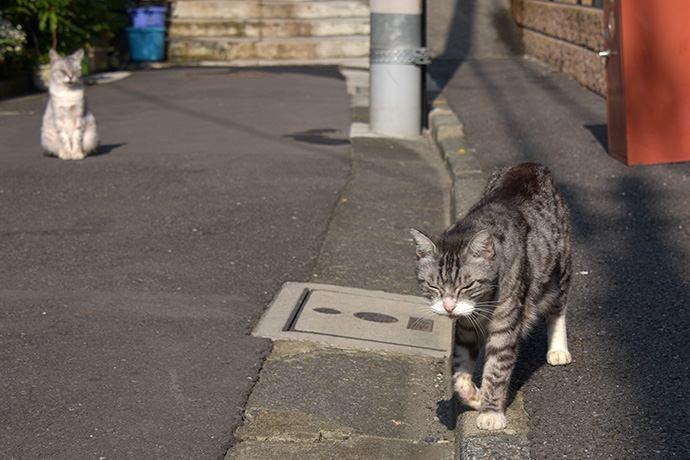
66, 25
102, 20
12, 41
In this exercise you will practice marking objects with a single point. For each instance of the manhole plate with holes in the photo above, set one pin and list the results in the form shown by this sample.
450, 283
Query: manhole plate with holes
356, 318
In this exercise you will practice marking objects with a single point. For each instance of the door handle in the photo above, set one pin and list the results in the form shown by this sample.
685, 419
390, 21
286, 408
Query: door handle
604, 59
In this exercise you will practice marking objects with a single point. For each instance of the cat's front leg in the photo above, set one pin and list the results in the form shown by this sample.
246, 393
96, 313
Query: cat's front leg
64, 131
466, 389
464, 362
501, 353
65, 150
77, 141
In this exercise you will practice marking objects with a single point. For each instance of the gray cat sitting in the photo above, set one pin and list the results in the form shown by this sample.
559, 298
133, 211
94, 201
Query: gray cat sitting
496, 272
69, 127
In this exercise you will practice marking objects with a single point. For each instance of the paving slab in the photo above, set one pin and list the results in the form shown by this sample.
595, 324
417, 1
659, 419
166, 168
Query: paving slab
512, 443
360, 448
310, 392
394, 184
357, 318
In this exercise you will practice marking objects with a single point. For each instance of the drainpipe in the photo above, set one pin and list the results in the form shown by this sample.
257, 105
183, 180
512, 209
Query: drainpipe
395, 72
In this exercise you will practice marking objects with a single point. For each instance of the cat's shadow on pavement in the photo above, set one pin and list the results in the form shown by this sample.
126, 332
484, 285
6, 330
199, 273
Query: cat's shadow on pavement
106, 149
102, 150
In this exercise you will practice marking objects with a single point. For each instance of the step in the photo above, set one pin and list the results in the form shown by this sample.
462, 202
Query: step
244, 10
185, 50
273, 28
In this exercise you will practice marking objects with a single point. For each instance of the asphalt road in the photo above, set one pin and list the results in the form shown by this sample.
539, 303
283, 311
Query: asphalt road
627, 393
130, 281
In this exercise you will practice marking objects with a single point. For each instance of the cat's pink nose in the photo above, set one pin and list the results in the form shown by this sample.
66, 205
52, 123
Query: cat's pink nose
449, 304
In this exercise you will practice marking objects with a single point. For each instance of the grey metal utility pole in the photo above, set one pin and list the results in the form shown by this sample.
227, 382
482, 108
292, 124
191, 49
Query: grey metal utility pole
395, 72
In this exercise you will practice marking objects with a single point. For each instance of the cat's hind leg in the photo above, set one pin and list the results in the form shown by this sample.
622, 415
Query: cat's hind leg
558, 353
50, 143
50, 140
90, 141
464, 361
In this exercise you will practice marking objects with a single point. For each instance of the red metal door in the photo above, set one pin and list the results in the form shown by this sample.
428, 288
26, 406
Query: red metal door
615, 100
648, 77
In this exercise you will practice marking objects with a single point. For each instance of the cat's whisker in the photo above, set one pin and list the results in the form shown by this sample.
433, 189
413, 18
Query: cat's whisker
421, 319
486, 314
484, 317
478, 328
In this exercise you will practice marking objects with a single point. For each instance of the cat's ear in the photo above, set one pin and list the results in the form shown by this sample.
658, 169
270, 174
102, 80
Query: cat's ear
425, 245
54, 56
79, 54
482, 245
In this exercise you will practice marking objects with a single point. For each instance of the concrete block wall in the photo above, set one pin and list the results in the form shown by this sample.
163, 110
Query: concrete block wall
581, 2
290, 30
565, 35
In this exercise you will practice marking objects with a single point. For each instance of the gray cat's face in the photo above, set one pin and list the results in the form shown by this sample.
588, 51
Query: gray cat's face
458, 277
66, 70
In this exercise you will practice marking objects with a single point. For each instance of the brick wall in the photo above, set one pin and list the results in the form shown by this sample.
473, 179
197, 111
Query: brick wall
565, 34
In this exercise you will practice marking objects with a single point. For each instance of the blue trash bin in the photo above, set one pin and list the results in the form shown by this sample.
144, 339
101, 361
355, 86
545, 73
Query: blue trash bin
148, 16
146, 43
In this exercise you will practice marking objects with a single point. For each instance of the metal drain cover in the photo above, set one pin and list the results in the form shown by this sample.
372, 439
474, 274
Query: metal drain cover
356, 318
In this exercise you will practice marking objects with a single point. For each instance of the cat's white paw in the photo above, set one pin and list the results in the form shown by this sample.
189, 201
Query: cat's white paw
71, 155
558, 357
491, 421
467, 390
77, 154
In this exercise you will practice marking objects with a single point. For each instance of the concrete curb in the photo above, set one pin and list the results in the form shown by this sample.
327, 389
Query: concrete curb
468, 182
465, 171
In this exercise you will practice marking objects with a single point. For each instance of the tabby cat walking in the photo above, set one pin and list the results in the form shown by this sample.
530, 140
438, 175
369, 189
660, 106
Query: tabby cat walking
496, 271
69, 128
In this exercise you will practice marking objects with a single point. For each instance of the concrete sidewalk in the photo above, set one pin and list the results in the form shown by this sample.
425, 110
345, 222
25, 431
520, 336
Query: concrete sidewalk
514, 109
317, 400
378, 404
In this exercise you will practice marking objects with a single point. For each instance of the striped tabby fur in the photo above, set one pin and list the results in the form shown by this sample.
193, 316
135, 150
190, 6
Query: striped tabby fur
496, 271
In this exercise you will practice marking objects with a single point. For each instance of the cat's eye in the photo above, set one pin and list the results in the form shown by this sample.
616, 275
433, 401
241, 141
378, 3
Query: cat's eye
430, 287
470, 286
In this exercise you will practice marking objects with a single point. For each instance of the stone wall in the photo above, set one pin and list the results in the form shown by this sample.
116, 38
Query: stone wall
581, 2
565, 36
